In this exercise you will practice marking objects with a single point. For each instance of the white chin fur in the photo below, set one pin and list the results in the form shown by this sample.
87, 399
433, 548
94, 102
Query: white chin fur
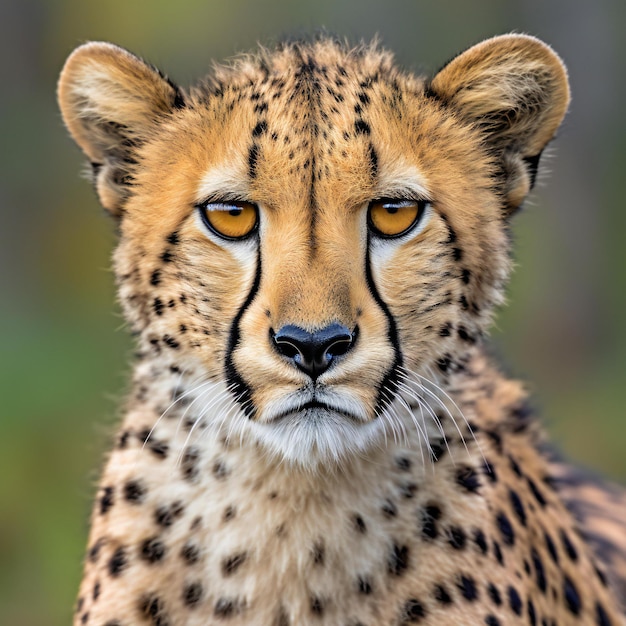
316, 436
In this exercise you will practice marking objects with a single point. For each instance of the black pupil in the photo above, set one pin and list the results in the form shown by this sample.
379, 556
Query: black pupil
235, 212
392, 210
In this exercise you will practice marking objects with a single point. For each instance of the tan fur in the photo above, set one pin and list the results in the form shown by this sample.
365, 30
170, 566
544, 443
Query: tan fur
407, 483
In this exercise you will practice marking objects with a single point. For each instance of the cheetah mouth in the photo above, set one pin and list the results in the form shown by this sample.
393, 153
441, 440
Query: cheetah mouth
315, 409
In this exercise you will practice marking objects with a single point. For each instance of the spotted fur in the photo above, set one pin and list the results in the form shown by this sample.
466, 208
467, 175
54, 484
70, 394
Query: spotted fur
404, 481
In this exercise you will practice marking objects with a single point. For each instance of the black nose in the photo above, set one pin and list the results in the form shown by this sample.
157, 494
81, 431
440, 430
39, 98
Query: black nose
315, 352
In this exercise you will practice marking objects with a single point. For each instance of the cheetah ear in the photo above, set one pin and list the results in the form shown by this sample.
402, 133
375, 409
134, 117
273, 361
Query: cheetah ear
111, 101
515, 89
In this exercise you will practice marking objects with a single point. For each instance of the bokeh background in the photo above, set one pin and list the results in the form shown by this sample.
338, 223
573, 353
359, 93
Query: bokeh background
63, 348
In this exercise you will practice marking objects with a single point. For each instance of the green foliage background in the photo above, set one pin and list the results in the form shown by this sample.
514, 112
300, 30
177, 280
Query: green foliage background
63, 348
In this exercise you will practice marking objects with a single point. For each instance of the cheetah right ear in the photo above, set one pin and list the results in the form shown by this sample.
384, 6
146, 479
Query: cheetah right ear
111, 101
513, 88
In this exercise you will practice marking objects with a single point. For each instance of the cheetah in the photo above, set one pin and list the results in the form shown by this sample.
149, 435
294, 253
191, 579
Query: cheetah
312, 244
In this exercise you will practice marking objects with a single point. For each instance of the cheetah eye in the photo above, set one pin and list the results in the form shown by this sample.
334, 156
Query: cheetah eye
230, 220
392, 218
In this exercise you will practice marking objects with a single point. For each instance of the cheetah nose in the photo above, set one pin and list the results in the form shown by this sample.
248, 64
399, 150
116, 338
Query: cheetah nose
315, 352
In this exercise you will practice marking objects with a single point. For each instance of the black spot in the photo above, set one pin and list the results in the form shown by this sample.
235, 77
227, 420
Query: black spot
123, 440
192, 594
361, 127
94, 551
232, 563
506, 530
600, 574
456, 537
225, 607
167, 256
84, 618
152, 550
602, 618
173, 238
134, 491
498, 553
259, 129
229, 513
515, 601
158, 306
490, 472
398, 561
407, 490
155, 278
167, 515
412, 612
515, 467
467, 478
364, 585
189, 464
430, 515
96, 590
532, 618
444, 331
540, 574
317, 605
106, 500
480, 540
444, 363
569, 546
437, 450
152, 607
518, 507
536, 492
190, 553
551, 548
441, 595
465, 336
158, 448
113, 622
118, 562
468, 589
318, 553
359, 524
389, 509
572, 599
220, 470
494, 594
465, 276
403, 463
253, 157
457, 254
171, 342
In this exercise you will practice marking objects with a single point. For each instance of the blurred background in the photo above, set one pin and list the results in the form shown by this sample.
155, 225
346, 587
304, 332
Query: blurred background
64, 349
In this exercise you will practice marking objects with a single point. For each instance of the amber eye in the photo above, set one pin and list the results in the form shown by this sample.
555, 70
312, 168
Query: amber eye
230, 220
392, 218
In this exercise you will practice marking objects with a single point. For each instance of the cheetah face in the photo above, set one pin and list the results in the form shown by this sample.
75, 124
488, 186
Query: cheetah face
312, 230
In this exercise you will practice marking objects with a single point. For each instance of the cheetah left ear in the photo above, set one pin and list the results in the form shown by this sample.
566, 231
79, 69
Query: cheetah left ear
515, 89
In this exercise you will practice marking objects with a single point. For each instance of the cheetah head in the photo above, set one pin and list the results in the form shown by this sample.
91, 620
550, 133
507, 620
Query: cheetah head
311, 231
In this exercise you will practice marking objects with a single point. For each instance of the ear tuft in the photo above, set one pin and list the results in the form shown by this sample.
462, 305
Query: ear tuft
110, 101
515, 89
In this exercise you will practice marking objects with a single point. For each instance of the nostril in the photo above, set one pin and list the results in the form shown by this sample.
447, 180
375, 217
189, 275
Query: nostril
313, 352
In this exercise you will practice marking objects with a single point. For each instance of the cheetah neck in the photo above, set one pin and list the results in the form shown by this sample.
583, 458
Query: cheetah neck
218, 526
